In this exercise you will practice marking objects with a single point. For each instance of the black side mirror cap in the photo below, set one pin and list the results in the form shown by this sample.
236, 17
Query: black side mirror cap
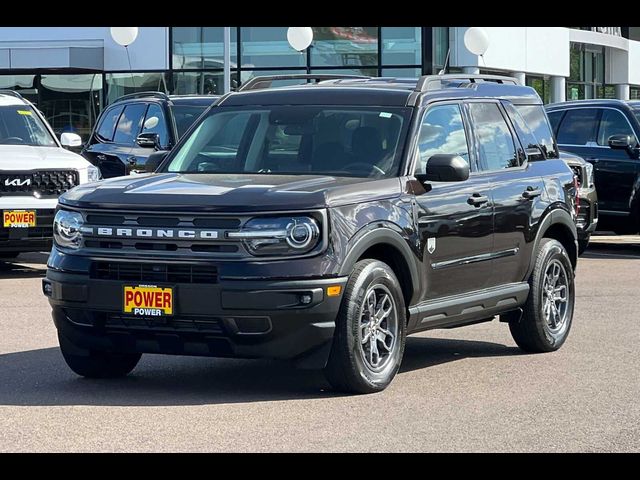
149, 140
445, 168
621, 142
154, 160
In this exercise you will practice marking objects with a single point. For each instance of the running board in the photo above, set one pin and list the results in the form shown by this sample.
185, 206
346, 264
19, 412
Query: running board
462, 309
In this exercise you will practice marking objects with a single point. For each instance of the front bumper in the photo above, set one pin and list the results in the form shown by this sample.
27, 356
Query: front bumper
34, 239
587, 220
246, 319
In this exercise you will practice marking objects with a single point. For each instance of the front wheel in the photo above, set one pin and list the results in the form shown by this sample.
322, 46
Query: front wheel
548, 313
97, 364
369, 339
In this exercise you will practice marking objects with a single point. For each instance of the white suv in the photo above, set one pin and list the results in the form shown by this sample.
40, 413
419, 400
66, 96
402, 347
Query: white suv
34, 170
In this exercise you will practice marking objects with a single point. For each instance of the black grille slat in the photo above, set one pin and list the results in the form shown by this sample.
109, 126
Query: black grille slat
42, 183
151, 272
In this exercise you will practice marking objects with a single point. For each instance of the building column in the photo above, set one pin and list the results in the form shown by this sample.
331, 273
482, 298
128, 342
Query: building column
520, 77
622, 91
558, 89
471, 70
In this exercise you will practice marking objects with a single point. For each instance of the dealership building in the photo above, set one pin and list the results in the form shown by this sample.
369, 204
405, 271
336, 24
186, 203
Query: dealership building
71, 73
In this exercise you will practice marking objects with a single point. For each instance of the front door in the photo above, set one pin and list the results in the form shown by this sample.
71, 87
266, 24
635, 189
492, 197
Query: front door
455, 219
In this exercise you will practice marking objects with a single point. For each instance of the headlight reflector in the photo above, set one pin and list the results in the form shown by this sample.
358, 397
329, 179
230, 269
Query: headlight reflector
279, 235
66, 229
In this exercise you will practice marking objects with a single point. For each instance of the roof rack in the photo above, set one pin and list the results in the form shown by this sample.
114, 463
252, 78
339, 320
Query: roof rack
434, 82
265, 81
13, 93
130, 96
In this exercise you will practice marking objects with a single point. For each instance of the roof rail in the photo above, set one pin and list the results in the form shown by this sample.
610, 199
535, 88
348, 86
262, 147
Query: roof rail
129, 96
13, 93
434, 82
257, 82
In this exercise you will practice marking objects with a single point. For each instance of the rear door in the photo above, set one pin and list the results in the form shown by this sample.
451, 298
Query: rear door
516, 187
455, 219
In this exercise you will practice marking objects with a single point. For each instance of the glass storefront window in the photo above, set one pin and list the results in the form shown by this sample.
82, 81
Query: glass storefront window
119, 84
540, 85
268, 47
201, 83
71, 103
25, 85
634, 93
344, 46
440, 37
401, 45
367, 72
247, 75
586, 72
201, 47
402, 72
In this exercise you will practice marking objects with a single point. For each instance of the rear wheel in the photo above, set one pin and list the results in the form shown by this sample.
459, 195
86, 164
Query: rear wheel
548, 313
369, 340
95, 363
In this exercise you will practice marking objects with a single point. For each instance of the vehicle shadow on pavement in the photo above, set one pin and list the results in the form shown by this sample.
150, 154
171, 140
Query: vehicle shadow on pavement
41, 378
20, 267
625, 251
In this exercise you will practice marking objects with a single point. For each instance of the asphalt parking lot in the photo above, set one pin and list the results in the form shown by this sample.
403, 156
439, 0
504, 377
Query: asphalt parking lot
468, 389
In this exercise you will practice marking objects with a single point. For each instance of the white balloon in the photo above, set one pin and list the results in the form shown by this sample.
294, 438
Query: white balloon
300, 37
476, 40
124, 36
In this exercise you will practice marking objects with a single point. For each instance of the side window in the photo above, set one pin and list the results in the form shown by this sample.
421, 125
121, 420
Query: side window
554, 120
154, 122
535, 118
613, 122
495, 142
578, 126
442, 131
129, 123
108, 123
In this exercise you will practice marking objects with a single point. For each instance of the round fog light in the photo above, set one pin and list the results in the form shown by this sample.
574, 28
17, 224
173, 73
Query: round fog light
305, 299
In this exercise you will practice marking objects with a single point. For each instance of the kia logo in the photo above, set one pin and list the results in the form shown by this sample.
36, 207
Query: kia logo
16, 182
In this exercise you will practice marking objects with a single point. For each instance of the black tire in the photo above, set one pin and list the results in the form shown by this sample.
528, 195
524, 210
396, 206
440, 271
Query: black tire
583, 244
532, 332
97, 364
348, 368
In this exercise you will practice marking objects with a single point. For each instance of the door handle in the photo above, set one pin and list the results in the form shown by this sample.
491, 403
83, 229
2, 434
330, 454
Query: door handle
477, 199
531, 192
131, 160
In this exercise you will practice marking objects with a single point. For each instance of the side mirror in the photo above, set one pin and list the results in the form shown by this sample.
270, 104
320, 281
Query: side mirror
70, 140
149, 140
621, 142
154, 160
445, 168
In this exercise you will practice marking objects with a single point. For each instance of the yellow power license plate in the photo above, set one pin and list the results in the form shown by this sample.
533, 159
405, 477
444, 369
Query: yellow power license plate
19, 218
148, 300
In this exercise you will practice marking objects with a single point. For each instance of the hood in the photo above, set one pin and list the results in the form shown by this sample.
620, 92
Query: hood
223, 192
26, 157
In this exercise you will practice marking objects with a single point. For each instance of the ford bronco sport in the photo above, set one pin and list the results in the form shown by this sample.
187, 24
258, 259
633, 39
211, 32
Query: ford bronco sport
323, 223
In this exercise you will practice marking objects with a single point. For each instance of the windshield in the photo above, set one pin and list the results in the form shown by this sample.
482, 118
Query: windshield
20, 125
185, 115
330, 140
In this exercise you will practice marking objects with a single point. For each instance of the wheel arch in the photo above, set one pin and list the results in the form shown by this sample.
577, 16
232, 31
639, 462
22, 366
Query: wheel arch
558, 225
388, 246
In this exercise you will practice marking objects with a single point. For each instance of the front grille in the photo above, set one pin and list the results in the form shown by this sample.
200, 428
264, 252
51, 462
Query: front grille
577, 171
152, 272
42, 183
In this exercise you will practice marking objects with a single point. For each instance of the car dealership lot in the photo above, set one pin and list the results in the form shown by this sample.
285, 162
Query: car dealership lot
468, 389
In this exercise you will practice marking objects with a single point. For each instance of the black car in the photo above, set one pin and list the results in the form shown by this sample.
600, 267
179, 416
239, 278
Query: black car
323, 223
605, 133
136, 125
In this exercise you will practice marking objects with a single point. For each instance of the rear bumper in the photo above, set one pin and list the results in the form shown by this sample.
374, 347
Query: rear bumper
247, 319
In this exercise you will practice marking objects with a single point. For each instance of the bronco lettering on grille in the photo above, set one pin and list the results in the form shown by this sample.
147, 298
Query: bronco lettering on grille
152, 233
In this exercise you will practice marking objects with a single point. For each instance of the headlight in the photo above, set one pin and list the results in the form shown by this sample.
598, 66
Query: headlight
93, 173
66, 229
279, 236
590, 179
